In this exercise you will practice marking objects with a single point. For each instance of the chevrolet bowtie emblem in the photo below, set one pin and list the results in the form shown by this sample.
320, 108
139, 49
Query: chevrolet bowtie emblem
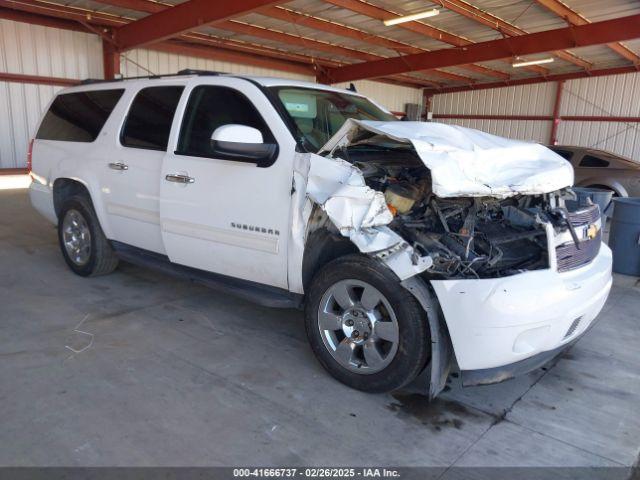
592, 231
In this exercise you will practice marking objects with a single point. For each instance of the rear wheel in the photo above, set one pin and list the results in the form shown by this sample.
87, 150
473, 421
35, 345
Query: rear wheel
82, 241
364, 328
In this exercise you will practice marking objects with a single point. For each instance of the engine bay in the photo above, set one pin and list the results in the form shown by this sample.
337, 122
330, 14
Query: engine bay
467, 237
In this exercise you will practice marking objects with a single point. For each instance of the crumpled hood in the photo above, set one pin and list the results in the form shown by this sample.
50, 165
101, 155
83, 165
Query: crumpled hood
468, 162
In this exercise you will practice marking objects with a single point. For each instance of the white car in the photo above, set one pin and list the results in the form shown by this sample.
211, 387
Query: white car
413, 247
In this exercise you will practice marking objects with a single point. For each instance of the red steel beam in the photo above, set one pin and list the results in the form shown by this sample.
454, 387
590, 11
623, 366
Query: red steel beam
71, 18
624, 28
285, 38
202, 51
289, 16
532, 80
147, 6
63, 12
37, 12
456, 116
37, 80
553, 137
592, 118
289, 39
110, 60
180, 19
465, 9
327, 26
381, 14
574, 18
38, 19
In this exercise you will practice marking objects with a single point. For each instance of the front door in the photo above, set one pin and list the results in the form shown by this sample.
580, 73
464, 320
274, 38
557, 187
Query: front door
225, 216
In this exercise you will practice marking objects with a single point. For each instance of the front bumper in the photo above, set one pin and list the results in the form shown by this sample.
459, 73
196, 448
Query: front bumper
487, 376
498, 322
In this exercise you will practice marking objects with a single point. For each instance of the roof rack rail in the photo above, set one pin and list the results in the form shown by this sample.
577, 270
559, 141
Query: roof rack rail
186, 71
191, 71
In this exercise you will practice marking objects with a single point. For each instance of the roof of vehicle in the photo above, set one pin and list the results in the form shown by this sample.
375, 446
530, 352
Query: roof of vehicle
595, 152
188, 73
592, 151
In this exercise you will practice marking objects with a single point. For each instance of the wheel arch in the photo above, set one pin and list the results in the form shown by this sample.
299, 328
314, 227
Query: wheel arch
617, 187
67, 186
323, 246
64, 188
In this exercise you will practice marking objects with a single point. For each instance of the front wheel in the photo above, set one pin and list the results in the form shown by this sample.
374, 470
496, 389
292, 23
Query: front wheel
366, 329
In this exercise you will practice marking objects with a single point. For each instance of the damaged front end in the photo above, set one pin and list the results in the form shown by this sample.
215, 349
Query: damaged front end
421, 202
435, 202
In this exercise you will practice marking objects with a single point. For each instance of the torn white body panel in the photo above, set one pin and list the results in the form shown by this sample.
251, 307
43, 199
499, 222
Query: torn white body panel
359, 212
462, 163
466, 162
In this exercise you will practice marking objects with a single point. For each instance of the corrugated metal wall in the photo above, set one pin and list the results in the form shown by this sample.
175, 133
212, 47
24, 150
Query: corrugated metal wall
35, 50
619, 96
534, 99
535, 131
393, 97
616, 95
143, 62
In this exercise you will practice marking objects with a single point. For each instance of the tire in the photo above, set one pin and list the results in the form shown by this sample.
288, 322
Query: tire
94, 256
345, 352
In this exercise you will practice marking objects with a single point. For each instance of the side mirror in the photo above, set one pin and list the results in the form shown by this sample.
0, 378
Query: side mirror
241, 143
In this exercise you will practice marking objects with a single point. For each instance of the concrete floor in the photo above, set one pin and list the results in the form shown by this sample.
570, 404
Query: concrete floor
170, 373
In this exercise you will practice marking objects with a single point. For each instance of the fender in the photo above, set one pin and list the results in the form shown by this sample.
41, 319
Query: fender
437, 370
94, 194
609, 183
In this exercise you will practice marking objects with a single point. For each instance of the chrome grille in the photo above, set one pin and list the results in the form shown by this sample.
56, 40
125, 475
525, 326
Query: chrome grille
585, 216
569, 257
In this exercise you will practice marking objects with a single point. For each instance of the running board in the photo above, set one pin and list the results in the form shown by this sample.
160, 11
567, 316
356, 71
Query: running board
255, 292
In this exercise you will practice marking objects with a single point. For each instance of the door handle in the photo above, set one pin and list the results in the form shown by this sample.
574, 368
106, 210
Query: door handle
178, 178
118, 166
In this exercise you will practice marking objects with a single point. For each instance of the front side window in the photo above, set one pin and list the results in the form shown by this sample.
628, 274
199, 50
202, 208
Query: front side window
566, 154
210, 107
318, 114
79, 116
148, 123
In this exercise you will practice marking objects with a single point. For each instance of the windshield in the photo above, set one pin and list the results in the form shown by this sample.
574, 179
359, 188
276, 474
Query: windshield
318, 114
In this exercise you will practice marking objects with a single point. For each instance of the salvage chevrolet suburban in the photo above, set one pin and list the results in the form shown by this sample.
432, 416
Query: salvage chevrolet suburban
413, 247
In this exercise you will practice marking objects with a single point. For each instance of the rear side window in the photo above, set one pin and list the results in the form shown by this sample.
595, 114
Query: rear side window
78, 117
149, 120
211, 107
591, 161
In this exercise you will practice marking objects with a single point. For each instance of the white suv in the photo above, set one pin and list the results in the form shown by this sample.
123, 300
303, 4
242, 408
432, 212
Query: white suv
413, 247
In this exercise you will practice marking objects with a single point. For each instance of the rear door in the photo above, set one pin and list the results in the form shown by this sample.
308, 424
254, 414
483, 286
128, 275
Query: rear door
130, 179
233, 217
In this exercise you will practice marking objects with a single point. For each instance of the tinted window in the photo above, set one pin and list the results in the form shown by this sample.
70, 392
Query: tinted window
149, 120
211, 107
591, 161
319, 114
566, 154
78, 117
